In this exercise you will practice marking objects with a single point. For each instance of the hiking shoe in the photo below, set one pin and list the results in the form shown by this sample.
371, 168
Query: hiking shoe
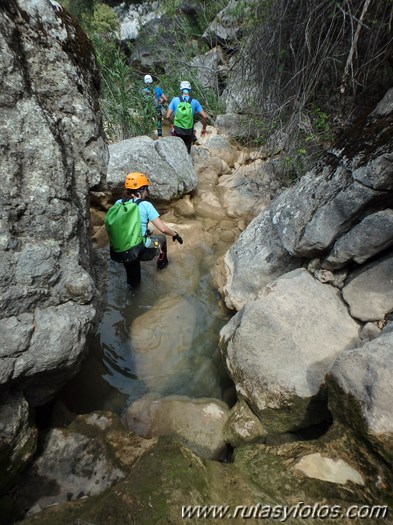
162, 264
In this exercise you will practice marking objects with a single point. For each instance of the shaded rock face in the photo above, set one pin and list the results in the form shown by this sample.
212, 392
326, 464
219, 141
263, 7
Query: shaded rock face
18, 438
362, 390
72, 465
85, 459
52, 154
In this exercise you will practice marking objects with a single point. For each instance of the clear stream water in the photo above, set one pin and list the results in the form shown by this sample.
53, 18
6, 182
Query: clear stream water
114, 374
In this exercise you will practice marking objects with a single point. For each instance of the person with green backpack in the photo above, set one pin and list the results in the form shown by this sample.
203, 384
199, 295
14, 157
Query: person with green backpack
126, 223
184, 108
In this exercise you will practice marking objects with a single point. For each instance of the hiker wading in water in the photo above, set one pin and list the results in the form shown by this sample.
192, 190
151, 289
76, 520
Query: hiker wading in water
136, 190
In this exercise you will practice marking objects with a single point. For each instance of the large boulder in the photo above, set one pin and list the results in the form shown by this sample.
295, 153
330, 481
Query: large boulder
207, 68
342, 192
79, 461
165, 162
256, 258
361, 391
371, 236
219, 146
199, 423
321, 207
53, 154
279, 347
245, 193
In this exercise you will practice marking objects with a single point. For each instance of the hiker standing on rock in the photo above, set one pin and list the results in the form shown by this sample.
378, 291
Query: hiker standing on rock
124, 224
184, 108
159, 98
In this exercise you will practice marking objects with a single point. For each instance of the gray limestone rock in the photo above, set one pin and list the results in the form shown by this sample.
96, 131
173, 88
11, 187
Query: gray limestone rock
165, 162
323, 205
368, 238
18, 438
70, 466
369, 292
361, 391
53, 154
253, 261
199, 423
279, 347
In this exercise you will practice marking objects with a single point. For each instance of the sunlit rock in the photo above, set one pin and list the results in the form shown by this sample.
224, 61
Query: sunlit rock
328, 469
253, 261
279, 347
199, 423
165, 162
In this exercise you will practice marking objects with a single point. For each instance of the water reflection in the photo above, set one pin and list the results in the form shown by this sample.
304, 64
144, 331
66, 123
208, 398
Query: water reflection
162, 338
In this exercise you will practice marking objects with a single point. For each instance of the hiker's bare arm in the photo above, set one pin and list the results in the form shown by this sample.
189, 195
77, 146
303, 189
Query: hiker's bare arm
164, 98
168, 113
204, 119
164, 228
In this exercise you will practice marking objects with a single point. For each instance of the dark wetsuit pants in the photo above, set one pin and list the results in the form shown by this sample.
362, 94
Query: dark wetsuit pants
158, 247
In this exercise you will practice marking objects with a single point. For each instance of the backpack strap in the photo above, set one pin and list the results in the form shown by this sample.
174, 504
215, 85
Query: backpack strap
183, 100
138, 201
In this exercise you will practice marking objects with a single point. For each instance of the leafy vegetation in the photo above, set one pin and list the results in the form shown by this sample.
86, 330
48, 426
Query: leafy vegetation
315, 66
301, 69
126, 111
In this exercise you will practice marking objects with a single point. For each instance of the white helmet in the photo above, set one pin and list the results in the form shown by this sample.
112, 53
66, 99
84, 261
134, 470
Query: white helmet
185, 85
147, 79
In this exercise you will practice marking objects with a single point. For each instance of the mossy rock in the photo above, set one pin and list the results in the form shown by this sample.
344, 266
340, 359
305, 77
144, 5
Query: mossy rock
170, 475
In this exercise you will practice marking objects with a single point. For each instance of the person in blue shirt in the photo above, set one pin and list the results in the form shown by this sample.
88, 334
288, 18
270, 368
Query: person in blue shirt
158, 97
137, 189
187, 136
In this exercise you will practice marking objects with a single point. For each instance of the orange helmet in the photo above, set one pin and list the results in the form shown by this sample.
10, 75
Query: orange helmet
136, 180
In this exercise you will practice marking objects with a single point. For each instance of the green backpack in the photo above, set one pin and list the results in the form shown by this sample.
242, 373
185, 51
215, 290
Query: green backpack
123, 225
184, 118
